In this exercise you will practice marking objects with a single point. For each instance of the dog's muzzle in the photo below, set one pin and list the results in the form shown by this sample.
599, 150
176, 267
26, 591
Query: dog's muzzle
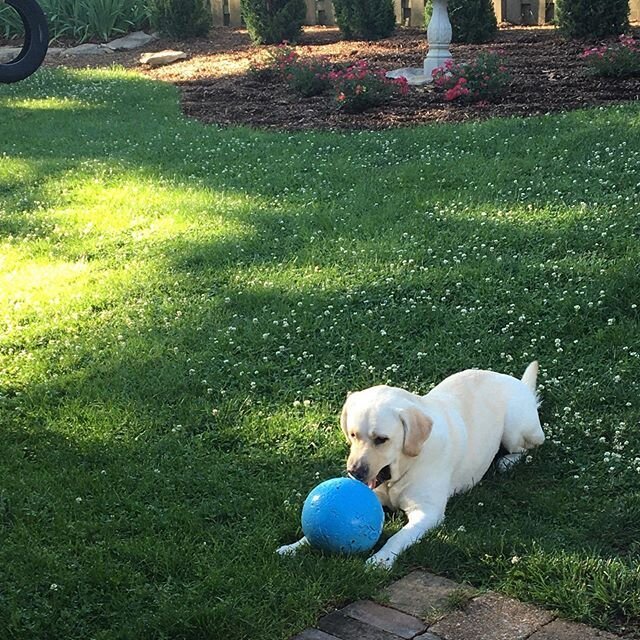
361, 472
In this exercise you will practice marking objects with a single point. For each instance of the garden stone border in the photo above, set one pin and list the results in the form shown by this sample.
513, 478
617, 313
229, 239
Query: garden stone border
423, 606
131, 41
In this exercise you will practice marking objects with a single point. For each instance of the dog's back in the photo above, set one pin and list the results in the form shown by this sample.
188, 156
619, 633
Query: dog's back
485, 409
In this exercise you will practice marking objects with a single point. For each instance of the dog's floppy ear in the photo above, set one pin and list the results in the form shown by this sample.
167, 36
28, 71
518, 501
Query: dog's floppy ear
417, 427
343, 420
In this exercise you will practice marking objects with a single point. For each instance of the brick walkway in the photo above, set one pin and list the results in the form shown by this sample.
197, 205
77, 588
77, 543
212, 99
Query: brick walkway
427, 607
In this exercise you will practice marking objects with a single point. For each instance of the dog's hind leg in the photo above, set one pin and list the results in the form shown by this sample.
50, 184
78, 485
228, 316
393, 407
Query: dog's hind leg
505, 463
522, 429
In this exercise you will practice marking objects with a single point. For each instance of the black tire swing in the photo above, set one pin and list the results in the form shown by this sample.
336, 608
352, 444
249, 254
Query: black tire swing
36, 42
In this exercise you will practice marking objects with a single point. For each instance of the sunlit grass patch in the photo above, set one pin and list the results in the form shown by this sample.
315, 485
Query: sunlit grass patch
48, 104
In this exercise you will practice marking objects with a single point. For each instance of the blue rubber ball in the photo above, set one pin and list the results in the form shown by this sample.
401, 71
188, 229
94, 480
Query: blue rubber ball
342, 515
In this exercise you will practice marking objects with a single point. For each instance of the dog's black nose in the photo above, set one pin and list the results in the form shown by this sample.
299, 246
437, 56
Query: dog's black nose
359, 472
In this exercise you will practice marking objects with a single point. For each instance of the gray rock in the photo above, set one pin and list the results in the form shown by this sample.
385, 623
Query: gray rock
160, 58
88, 49
131, 41
7, 54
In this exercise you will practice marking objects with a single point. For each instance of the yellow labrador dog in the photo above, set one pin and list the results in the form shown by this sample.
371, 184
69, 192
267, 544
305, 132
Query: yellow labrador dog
417, 451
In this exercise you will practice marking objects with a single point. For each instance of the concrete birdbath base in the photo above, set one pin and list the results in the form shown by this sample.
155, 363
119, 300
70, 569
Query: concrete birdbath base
439, 38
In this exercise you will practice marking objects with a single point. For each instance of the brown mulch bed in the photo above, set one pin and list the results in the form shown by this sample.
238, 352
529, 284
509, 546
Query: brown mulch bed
547, 76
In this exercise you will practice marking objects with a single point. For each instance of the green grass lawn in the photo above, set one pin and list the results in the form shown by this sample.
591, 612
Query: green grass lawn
183, 310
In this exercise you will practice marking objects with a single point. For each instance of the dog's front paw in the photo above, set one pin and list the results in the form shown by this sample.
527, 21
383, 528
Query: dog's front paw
291, 549
381, 561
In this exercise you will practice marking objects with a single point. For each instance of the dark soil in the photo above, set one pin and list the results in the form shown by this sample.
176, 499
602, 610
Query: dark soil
546, 76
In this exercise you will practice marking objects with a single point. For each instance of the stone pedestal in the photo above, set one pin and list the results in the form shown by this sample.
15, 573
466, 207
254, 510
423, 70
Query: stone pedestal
439, 38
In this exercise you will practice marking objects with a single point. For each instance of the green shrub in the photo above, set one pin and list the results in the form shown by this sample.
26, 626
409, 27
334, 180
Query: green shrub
273, 21
365, 19
592, 19
472, 21
181, 18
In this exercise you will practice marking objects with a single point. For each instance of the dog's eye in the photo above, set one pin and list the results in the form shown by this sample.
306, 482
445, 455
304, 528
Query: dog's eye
380, 440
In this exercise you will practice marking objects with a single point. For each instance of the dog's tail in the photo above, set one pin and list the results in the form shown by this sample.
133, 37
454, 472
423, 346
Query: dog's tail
530, 376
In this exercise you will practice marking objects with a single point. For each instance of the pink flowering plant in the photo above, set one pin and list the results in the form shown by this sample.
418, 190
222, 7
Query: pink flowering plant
482, 79
358, 87
617, 60
306, 76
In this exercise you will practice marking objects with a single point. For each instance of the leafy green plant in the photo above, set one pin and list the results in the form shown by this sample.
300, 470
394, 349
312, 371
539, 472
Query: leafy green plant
472, 21
181, 18
618, 60
10, 23
82, 20
273, 21
365, 19
484, 78
592, 19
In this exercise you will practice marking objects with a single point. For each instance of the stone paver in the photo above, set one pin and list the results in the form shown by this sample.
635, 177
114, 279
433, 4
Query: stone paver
385, 618
347, 628
411, 601
492, 617
562, 630
421, 593
314, 634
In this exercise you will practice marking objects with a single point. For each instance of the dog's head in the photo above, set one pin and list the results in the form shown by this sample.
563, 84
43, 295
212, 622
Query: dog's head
385, 427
